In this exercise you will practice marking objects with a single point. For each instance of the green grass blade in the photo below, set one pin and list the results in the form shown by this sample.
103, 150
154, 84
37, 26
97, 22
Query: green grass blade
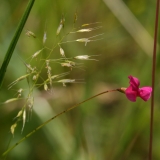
14, 41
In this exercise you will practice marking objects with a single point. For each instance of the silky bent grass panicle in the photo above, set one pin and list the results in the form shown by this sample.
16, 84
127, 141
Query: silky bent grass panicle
34, 74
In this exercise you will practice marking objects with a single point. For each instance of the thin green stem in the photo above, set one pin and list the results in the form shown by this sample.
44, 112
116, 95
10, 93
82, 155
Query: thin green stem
14, 41
39, 127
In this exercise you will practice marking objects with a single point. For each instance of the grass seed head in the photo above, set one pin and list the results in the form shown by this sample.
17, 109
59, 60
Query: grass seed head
62, 52
85, 40
11, 100
60, 75
17, 80
24, 119
44, 37
45, 87
59, 29
36, 54
13, 127
19, 115
87, 29
30, 102
66, 65
30, 34
61, 25
88, 24
64, 81
71, 62
84, 57
35, 77
30, 69
20, 90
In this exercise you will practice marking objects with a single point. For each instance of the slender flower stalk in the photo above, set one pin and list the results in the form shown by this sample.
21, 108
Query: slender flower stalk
65, 111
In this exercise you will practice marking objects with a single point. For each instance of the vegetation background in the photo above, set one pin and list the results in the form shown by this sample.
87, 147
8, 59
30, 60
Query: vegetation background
108, 127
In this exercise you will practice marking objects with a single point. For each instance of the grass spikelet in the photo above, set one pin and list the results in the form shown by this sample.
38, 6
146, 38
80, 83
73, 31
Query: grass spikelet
71, 64
20, 92
24, 119
35, 77
10, 100
30, 34
62, 52
37, 53
59, 29
19, 114
18, 80
45, 87
30, 69
87, 24
64, 81
85, 57
87, 29
61, 25
60, 75
30, 103
49, 72
86, 40
55, 77
28, 66
13, 128
67, 65
44, 37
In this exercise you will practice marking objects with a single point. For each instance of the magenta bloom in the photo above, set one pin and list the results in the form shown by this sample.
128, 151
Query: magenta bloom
133, 91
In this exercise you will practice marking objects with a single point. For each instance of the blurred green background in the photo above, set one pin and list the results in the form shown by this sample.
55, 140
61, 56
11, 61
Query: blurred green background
109, 127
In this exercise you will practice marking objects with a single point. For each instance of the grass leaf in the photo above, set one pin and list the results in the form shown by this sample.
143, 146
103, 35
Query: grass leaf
14, 41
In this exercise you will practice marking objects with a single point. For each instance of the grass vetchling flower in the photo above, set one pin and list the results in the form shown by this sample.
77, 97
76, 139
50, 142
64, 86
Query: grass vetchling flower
133, 91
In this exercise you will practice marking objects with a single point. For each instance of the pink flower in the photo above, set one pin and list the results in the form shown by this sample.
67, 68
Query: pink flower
133, 91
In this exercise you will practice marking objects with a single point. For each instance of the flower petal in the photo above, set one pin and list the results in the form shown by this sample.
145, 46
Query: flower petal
134, 82
131, 94
145, 93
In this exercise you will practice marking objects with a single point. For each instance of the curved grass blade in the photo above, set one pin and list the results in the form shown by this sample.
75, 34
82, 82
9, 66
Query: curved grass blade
14, 41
